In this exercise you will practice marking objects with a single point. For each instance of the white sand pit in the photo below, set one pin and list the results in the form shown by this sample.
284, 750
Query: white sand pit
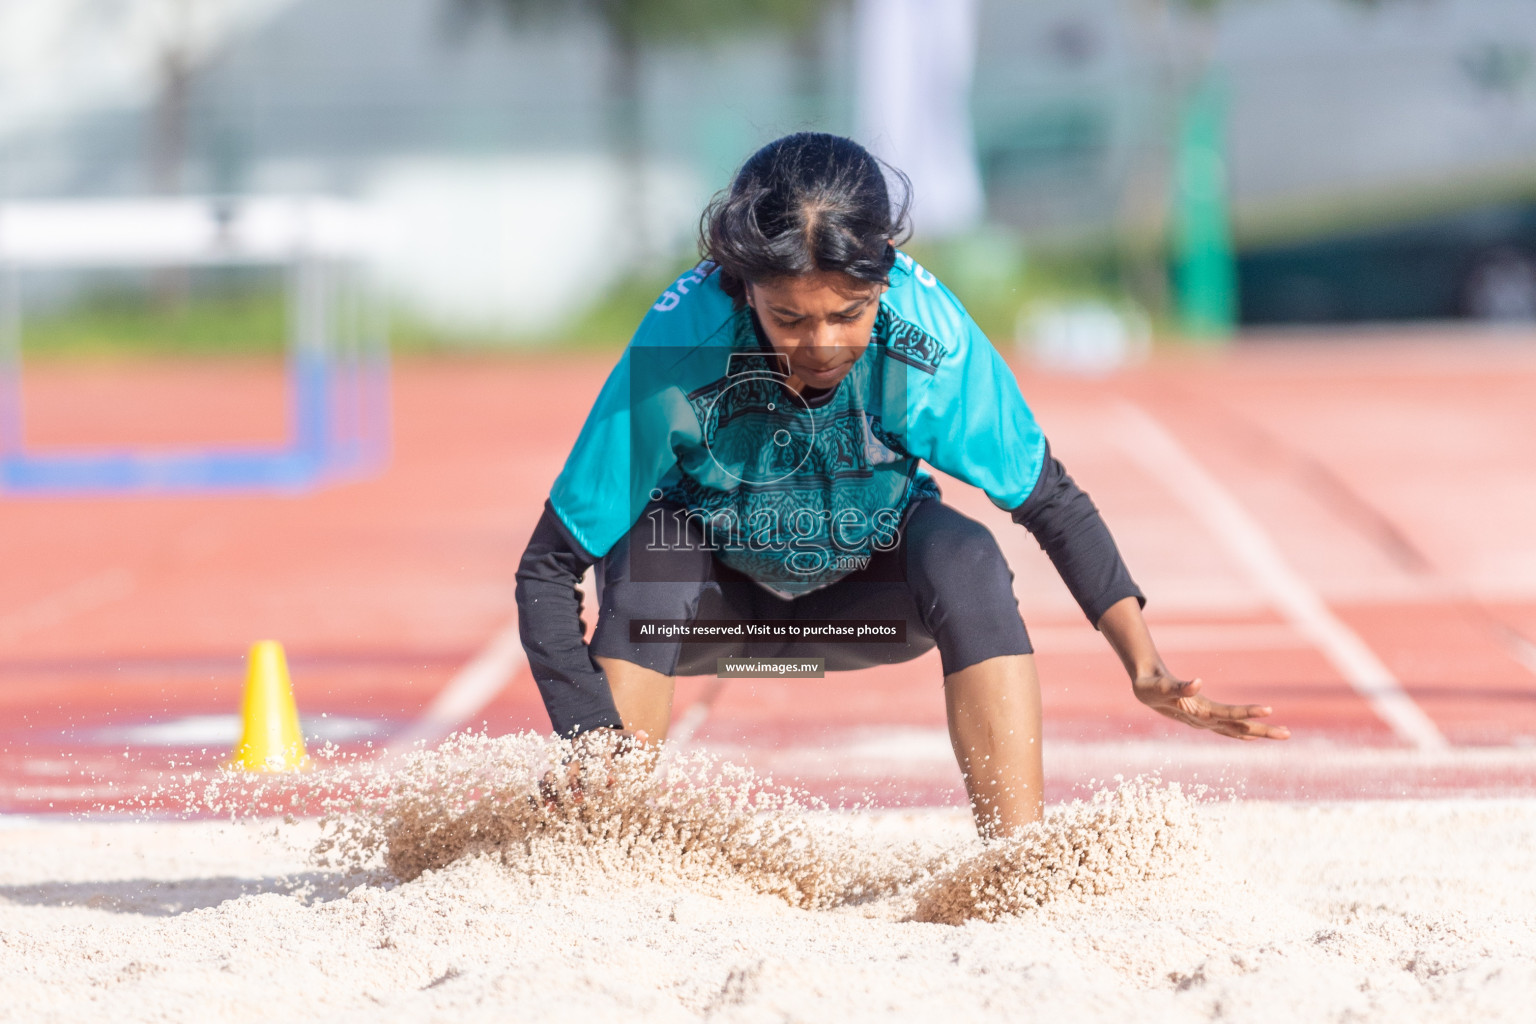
705, 896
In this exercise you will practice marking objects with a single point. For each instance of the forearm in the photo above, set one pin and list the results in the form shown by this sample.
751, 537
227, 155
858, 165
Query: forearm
1126, 631
1067, 525
575, 692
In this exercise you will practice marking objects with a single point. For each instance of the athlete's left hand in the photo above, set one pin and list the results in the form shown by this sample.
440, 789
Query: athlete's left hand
1183, 702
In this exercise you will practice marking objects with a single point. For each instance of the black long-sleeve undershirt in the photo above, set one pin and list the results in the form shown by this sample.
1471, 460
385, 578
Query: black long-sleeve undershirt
576, 694
1067, 524
575, 691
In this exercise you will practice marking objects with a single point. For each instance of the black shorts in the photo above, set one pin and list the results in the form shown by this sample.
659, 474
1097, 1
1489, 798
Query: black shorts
945, 577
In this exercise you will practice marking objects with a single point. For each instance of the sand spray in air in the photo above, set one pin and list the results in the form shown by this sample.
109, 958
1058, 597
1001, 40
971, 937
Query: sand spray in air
554, 815
550, 811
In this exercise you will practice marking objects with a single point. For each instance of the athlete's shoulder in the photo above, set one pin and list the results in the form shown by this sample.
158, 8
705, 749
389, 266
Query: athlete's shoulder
693, 310
679, 343
925, 324
916, 295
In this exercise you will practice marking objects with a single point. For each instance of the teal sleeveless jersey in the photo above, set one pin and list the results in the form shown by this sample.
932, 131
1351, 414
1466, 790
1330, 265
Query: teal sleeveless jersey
794, 492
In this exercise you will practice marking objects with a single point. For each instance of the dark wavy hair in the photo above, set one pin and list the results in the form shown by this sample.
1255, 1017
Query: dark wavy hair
806, 202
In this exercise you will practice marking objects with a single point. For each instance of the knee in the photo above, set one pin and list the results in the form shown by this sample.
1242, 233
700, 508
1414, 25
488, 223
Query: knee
958, 555
627, 597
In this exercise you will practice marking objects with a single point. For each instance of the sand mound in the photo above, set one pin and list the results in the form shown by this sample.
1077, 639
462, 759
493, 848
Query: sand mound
1137, 832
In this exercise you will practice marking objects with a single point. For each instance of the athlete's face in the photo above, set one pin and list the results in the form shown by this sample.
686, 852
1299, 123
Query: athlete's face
822, 321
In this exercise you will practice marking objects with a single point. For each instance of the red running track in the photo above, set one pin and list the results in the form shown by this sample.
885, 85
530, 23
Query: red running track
1343, 528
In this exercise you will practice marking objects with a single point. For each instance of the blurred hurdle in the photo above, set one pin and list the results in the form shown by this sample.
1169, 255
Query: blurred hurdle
338, 362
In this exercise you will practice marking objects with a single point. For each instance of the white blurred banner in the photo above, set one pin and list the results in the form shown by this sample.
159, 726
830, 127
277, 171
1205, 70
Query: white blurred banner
916, 59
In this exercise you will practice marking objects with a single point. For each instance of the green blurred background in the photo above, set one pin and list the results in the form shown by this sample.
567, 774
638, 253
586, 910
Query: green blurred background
1201, 170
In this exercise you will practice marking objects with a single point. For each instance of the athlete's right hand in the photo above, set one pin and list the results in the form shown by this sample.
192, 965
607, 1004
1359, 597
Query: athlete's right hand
590, 761
1182, 701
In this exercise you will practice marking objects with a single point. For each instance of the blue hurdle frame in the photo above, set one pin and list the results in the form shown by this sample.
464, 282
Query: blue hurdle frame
339, 405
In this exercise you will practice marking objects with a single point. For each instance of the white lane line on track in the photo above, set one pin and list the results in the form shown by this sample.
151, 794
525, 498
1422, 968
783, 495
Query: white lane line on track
467, 693
88, 594
918, 751
1521, 649
1165, 459
1198, 637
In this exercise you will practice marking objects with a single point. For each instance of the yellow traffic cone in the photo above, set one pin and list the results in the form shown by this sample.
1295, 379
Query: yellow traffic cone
270, 740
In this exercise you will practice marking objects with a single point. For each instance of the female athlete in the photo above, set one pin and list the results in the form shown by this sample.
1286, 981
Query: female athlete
752, 469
